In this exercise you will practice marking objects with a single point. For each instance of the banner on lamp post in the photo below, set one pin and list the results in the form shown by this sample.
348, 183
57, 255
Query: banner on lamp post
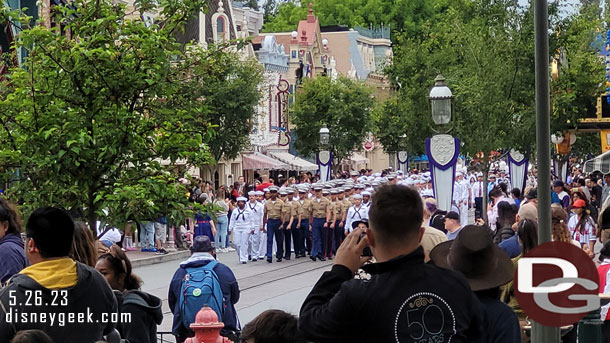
517, 169
561, 168
443, 151
325, 161
403, 162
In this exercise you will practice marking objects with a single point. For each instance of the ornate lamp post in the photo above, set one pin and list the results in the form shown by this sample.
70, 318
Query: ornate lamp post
325, 157
442, 149
402, 156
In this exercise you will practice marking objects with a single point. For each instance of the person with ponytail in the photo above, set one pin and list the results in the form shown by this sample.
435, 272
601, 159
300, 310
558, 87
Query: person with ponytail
12, 253
145, 309
582, 227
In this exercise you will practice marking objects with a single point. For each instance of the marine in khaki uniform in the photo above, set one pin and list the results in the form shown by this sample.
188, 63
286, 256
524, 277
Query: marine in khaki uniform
273, 219
320, 219
304, 224
286, 223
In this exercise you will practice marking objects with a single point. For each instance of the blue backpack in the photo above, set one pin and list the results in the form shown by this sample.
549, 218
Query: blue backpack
200, 287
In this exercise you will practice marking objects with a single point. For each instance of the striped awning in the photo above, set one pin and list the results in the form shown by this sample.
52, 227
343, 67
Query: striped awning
294, 162
601, 163
258, 161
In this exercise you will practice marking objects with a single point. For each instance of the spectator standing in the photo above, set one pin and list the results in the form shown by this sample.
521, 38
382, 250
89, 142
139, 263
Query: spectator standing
222, 221
603, 271
53, 275
582, 227
452, 225
204, 225
605, 189
399, 280
160, 234
487, 268
145, 309
12, 255
147, 236
562, 193
84, 247
202, 255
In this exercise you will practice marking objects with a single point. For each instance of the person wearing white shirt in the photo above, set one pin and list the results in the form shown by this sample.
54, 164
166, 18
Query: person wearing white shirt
256, 245
356, 212
241, 225
460, 197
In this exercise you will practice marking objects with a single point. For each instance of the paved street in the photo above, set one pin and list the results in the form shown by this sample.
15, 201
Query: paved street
263, 286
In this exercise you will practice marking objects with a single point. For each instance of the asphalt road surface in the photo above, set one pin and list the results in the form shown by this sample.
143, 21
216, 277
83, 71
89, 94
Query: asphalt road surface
263, 285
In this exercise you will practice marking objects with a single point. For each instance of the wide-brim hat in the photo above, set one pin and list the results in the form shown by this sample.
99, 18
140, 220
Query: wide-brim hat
474, 254
361, 221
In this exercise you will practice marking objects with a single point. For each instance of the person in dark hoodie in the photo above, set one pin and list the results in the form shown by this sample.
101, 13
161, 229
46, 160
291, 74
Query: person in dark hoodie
404, 300
12, 255
202, 254
145, 309
56, 286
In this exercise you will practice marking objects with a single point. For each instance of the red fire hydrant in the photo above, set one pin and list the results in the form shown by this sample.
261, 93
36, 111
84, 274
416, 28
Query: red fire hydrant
207, 328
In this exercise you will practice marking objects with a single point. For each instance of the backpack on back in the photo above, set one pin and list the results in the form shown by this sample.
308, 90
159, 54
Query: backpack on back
200, 286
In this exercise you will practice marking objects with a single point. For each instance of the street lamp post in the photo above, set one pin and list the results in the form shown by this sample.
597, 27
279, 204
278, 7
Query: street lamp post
540, 333
401, 156
325, 157
442, 149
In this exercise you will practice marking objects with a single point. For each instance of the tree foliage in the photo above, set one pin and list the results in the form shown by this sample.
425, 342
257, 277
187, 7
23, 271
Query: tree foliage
343, 105
408, 16
485, 50
104, 116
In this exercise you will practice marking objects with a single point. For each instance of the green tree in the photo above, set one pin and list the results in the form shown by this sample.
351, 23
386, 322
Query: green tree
484, 49
403, 16
224, 94
343, 105
285, 17
96, 122
579, 82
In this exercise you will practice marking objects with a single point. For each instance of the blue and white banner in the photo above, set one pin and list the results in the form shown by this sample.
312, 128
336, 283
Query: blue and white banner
561, 168
443, 151
517, 169
403, 162
325, 163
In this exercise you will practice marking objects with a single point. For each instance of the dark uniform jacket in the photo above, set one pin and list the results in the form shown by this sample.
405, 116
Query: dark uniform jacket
405, 300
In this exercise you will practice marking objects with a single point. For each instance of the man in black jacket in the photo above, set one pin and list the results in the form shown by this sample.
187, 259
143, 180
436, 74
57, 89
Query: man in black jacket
404, 300
68, 300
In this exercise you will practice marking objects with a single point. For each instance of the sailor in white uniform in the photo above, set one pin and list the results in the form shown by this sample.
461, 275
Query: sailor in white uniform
241, 225
256, 246
356, 212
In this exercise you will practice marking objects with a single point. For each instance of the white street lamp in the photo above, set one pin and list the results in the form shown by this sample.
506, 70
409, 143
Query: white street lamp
324, 136
440, 101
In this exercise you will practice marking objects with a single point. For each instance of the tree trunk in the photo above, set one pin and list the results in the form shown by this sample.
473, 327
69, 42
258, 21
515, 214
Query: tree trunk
91, 209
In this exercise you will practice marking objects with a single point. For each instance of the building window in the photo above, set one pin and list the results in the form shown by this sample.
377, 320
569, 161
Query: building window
220, 28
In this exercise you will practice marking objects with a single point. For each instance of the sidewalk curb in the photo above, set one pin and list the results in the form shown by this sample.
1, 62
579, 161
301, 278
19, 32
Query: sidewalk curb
154, 259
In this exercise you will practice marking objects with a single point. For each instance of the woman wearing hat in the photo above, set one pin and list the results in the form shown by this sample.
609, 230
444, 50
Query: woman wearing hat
486, 267
582, 226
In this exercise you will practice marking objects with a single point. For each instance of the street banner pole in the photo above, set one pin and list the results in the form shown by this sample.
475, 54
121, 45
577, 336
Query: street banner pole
540, 333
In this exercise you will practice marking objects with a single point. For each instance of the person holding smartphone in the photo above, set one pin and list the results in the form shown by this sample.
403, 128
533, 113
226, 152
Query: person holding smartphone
402, 289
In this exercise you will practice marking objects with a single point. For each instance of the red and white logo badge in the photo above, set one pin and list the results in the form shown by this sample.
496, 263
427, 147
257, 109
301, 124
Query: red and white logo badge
556, 284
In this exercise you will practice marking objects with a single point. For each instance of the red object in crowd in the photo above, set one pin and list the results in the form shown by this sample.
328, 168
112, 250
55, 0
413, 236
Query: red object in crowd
262, 186
207, 328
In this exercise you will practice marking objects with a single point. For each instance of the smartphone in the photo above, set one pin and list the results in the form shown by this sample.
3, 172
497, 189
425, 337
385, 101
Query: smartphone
367, 250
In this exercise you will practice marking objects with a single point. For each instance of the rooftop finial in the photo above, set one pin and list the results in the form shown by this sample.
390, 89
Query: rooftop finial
311, 8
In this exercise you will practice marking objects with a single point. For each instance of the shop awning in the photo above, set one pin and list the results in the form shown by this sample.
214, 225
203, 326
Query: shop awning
601, 163
258, 161
294, 162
